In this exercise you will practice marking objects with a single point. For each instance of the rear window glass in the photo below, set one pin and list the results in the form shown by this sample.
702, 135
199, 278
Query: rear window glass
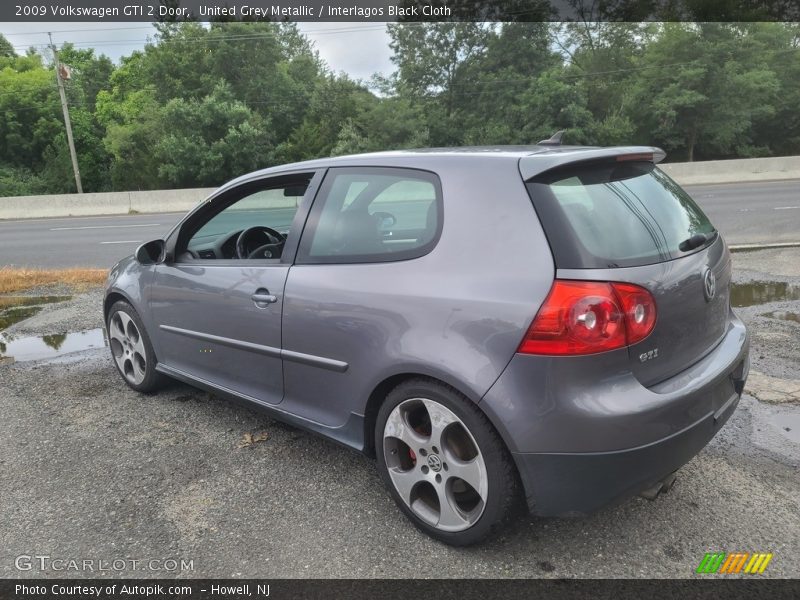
616, 214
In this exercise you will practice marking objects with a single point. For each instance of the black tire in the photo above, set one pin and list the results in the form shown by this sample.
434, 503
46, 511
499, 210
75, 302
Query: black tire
501, 487
152, 379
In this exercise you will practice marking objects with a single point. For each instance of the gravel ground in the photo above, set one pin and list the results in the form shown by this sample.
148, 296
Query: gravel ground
91, 470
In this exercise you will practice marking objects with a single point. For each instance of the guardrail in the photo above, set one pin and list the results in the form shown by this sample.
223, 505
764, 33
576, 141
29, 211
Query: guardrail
155, 201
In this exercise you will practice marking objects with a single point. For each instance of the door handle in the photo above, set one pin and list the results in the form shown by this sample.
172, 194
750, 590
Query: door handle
262, 297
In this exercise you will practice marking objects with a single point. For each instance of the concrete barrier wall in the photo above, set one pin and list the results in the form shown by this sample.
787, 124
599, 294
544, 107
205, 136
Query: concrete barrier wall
115, 203
734, 171
106, 203
168, 200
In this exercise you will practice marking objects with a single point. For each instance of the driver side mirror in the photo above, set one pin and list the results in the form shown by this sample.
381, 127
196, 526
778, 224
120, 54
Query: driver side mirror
151, 253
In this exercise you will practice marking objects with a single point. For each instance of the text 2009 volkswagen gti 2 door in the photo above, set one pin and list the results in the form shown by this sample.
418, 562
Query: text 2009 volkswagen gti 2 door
549, 323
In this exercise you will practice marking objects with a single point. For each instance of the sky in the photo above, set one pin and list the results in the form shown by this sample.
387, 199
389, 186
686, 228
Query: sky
358, 49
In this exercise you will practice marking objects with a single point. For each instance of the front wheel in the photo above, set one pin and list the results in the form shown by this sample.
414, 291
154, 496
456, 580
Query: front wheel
443, 462
131, 348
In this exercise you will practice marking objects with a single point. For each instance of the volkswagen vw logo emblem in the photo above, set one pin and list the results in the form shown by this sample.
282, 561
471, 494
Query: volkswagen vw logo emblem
709, 285
435, 463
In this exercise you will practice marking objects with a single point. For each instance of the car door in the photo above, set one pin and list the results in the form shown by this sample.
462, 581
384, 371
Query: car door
346, 309
218, 314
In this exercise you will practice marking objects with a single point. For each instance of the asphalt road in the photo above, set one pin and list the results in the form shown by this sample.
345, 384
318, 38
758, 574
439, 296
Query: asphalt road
752, 213
744, 213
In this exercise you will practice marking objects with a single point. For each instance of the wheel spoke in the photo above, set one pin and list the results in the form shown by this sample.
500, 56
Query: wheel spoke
449, 516
404, 482
117, 329
441, 418
138, 371
127, 369
472, 472
396, 426
132, 332
138, 347
124, 319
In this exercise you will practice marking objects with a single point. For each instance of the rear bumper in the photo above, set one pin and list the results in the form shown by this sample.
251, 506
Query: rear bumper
584, 438
579, 484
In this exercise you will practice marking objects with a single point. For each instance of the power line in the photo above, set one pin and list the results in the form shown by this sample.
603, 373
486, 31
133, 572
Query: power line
516, 81
57, 31
205, 39
153, 25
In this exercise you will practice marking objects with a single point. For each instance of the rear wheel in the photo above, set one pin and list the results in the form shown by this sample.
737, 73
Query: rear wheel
443, 463
131, 349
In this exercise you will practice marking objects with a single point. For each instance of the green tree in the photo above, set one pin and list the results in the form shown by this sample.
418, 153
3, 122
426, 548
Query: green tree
89, 75
434, 69
133, 126
704, 86
493, 103
602, 58
6, 49
336, 100
211, 140
30, 109
387, 124
778, 132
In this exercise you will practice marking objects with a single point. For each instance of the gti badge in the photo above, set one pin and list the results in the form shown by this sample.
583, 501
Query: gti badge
649, 355
709, 285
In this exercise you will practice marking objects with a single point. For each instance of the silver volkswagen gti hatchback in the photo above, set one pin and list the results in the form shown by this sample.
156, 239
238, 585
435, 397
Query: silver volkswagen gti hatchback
547, 324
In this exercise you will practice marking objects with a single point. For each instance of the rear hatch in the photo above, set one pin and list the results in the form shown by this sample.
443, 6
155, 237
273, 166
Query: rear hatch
622, 219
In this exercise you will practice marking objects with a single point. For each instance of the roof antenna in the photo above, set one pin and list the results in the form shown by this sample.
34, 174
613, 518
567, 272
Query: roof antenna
555, 139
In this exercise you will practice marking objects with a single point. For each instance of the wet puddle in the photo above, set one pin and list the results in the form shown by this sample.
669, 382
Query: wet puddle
761, 292
14, 309
20, 349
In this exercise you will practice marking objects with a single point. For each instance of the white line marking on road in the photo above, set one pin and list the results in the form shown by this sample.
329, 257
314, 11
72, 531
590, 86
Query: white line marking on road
785, 207
105, 226
123, 242
86, 217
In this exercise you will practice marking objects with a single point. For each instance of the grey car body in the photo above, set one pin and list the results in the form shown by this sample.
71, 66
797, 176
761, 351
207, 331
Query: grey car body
336, 337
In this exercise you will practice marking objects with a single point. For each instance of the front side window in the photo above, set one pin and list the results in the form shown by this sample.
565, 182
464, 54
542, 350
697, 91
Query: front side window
253, 225
373, 215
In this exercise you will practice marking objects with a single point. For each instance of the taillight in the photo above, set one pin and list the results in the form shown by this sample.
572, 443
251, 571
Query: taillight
585, 317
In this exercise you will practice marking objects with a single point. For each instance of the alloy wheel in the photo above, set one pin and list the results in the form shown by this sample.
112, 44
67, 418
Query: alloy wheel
435, 464
127, 347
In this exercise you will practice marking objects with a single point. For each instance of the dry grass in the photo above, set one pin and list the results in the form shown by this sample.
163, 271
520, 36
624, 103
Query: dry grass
17, 280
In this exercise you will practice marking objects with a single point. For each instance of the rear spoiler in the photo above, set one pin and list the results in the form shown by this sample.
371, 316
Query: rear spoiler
546, 159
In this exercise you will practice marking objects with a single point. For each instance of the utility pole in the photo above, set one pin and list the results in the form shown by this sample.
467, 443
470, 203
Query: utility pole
67, 123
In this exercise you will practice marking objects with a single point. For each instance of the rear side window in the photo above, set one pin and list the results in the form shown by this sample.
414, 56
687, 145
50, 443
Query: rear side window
618, 214
373, 215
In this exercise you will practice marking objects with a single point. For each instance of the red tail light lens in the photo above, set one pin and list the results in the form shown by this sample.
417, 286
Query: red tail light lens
586, 317
639, 308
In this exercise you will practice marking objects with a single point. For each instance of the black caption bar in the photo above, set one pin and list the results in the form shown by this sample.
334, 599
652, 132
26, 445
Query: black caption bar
398, 10
228, 589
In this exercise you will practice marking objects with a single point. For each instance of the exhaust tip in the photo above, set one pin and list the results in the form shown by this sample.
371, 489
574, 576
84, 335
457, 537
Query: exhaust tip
662, 487
652, 493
